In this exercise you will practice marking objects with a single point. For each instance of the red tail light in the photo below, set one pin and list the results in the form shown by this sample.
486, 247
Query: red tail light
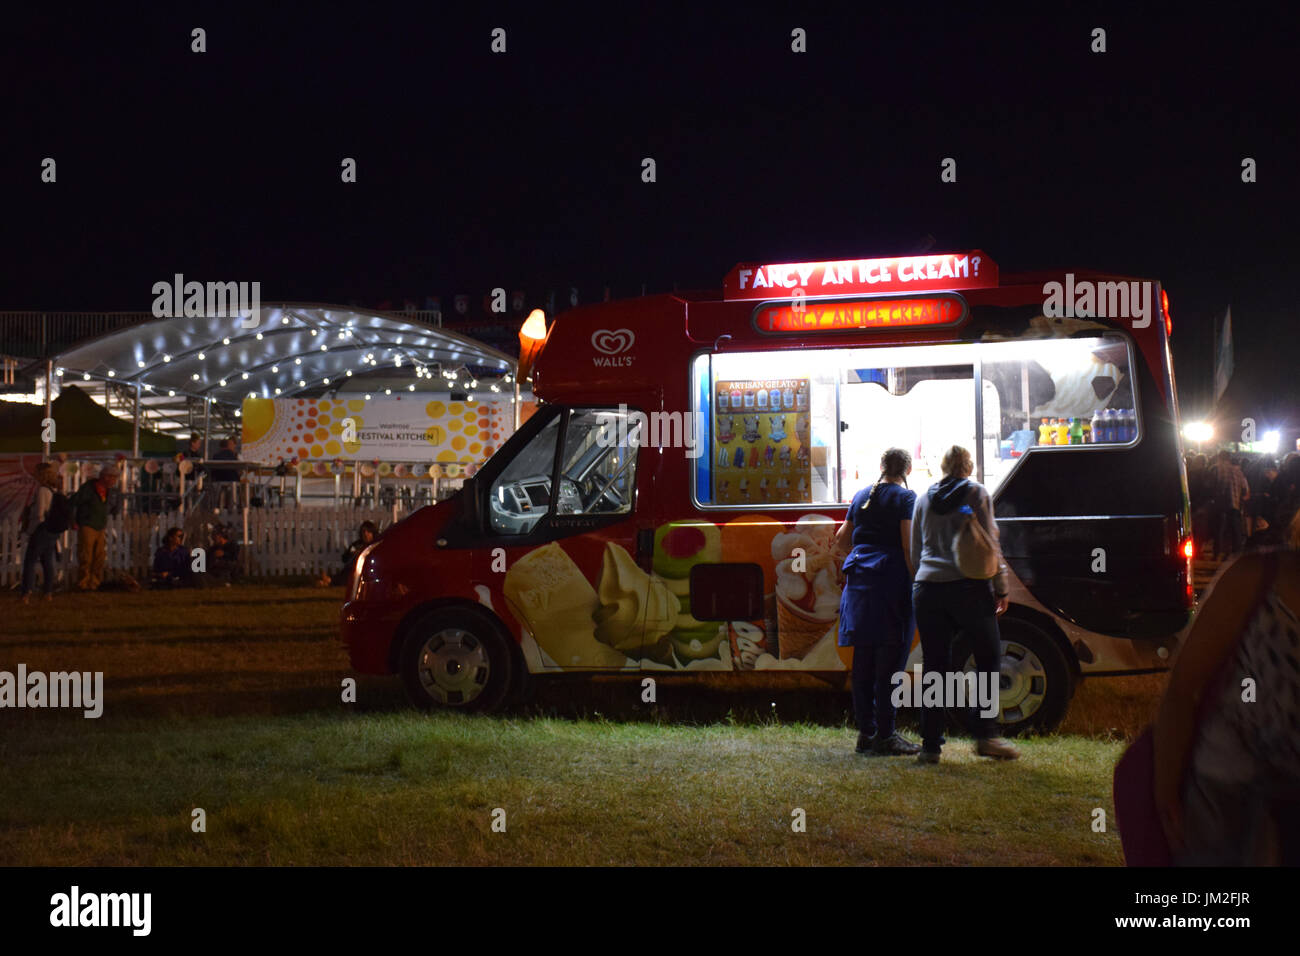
1188, 549
1164, 307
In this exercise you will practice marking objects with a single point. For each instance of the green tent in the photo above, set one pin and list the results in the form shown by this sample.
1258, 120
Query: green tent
82, 427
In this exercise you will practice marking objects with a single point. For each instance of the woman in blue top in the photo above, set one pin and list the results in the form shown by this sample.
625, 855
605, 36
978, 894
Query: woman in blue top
876, 606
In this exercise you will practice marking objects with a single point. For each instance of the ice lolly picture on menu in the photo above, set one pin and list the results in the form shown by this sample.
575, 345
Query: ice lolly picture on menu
760, 439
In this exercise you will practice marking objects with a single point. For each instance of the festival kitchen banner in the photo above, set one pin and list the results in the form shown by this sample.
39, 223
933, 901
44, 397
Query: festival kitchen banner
394, 428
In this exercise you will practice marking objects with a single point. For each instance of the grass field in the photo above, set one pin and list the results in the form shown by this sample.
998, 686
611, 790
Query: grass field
230, 701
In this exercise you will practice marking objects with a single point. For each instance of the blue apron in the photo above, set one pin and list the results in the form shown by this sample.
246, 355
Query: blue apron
876, 604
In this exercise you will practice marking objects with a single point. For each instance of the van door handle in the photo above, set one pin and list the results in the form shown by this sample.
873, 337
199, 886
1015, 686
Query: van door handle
645, 546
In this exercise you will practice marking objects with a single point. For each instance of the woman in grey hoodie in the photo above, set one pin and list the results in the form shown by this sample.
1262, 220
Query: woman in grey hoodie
947, 602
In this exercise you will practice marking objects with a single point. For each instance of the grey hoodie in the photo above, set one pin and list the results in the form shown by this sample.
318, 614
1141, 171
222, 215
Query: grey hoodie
935, 521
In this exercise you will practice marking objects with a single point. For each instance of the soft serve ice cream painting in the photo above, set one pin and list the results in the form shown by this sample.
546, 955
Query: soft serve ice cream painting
808, 585
628, 618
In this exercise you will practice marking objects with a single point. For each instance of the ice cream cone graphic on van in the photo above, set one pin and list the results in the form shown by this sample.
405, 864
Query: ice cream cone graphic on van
630, 601
548, 592
807, 584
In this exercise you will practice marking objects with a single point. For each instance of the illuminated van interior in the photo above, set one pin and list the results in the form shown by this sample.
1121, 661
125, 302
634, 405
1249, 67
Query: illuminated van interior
921, 398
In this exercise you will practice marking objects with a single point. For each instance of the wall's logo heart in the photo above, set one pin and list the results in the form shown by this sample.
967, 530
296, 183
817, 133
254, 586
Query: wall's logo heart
612, 342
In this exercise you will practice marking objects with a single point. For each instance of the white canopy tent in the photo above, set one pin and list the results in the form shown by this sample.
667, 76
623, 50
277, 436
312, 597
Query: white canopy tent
170, 364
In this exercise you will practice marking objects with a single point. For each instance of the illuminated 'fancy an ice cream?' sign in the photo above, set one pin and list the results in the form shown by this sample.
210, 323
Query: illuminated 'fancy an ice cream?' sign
943, 272
841, 316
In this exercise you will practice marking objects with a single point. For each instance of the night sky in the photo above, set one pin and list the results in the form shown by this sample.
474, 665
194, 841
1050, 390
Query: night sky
522, 170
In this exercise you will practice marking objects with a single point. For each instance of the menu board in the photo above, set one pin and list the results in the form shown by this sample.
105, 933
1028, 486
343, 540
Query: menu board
761, 452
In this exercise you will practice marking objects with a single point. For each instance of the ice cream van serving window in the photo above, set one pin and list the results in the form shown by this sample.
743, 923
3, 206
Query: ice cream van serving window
803, 427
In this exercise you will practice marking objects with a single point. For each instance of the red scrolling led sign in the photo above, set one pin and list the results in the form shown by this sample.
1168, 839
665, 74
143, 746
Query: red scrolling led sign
847, 277
814, 316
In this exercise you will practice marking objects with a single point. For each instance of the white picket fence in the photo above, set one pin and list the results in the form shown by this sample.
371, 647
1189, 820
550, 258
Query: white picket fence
281, 541
304, 540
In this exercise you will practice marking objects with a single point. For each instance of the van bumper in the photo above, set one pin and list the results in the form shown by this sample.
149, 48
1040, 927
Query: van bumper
368, 630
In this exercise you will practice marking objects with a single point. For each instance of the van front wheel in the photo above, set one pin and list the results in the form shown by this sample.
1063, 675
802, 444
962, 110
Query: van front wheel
456, 659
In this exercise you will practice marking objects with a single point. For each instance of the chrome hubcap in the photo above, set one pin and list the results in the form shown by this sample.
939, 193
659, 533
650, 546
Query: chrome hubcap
454, 667
1022, 683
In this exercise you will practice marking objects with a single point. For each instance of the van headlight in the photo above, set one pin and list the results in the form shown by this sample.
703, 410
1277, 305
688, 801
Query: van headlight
368, 586
357, 592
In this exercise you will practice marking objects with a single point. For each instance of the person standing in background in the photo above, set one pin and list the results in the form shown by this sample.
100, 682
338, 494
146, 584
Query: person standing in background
42, 543
1200, 492
226, 479
90, 513
1286, 490
194, 450
1231, 491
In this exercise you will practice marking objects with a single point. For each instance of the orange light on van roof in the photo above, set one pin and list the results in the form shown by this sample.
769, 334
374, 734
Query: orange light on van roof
532, 335
534, 326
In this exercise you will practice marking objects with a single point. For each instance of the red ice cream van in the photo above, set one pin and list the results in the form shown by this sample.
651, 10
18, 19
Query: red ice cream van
672, 504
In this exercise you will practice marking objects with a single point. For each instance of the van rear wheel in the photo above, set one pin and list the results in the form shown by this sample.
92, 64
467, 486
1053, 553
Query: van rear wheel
456, 659
1035, 683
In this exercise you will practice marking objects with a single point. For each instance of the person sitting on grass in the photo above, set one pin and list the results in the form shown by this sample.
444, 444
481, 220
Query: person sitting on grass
171, 562
223, 557
365, 537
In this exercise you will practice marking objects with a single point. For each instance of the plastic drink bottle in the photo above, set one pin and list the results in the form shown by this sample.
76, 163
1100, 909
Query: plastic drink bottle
1076, 432
1096, 425
1062, 432
1044, 433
